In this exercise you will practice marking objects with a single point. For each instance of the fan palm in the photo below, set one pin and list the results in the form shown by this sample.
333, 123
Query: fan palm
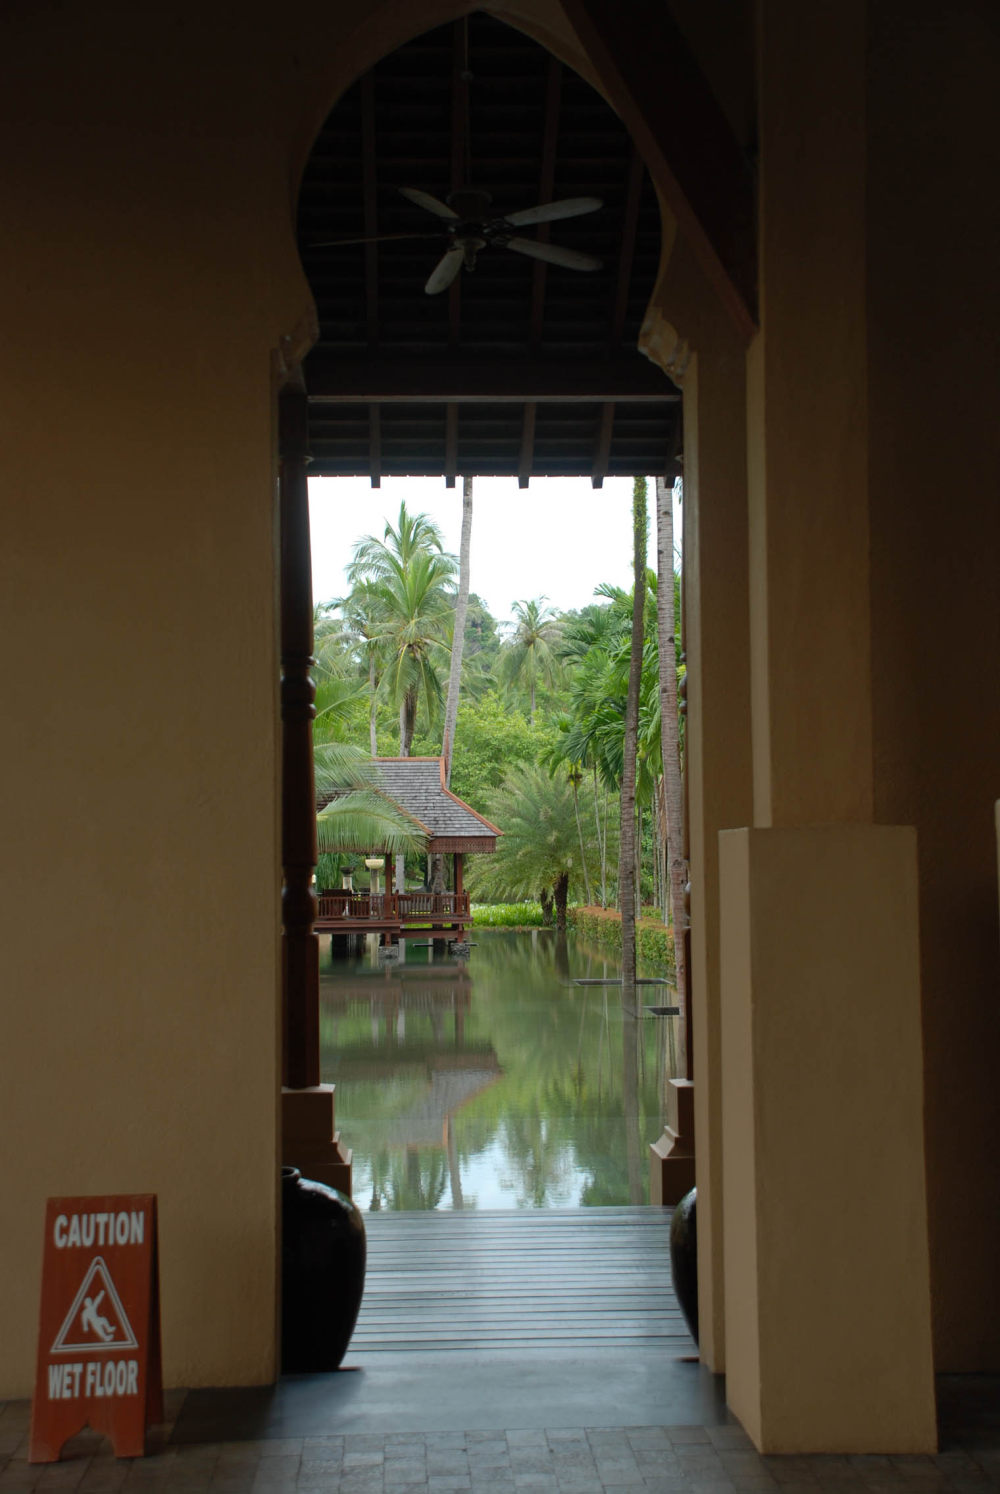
540, 847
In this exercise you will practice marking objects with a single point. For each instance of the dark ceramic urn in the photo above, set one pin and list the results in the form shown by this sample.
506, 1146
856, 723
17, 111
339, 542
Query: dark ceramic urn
684, 1258
322, 1273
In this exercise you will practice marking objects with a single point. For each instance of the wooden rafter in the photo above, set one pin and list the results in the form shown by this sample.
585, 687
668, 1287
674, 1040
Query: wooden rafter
619, 309
369, 162
546, 188
469, 379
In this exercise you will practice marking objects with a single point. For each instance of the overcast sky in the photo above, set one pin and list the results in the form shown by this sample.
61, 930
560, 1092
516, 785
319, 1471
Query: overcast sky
558, 538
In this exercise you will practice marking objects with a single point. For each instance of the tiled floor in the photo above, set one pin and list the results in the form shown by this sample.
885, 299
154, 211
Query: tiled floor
715, 1459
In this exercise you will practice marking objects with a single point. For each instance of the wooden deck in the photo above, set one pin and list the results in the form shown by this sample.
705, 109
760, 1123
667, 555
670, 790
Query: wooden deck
524, 1280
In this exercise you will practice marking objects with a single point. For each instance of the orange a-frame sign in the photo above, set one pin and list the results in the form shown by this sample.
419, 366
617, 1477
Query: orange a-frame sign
99, 1329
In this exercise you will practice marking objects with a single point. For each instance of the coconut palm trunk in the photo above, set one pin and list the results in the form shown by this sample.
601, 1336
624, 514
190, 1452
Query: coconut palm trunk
574, 778
627, 854
458, 636
669, 735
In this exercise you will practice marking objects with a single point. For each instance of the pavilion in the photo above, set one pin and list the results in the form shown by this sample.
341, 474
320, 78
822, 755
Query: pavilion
417, 786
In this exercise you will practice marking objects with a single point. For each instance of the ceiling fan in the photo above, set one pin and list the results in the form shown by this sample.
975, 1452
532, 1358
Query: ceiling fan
468, 226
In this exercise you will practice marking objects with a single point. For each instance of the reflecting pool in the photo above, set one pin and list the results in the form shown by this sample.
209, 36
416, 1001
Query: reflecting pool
497, 1081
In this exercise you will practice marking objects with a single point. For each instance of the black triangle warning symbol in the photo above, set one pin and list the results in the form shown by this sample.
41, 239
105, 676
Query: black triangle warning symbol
97, 1319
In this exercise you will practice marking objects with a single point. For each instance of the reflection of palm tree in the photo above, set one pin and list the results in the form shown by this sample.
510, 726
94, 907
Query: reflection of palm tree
530, 655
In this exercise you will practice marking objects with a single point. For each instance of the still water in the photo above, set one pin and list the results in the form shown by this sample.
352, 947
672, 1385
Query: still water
495, 1082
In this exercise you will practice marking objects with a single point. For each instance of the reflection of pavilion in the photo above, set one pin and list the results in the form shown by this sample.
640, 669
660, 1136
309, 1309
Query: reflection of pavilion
454, 1070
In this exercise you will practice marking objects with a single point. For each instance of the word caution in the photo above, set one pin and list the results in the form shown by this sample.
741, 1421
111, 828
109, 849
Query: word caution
99, 1327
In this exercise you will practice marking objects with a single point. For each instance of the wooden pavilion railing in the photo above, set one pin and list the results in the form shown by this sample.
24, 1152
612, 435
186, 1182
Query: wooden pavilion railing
402, 907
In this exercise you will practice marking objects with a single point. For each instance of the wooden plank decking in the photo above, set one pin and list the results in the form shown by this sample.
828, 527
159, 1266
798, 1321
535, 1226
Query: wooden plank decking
523, 1280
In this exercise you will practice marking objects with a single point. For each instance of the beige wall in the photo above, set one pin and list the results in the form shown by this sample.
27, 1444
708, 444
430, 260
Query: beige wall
151, 168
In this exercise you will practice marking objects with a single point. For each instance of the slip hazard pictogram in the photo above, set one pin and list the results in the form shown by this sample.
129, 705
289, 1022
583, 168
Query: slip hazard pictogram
97, 1319
99, 1332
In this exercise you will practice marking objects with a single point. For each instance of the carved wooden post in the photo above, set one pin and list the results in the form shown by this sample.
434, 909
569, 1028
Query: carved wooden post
300, 945
309, 1140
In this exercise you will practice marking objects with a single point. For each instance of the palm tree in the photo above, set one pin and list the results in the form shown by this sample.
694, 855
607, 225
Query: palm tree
359, 816
561, 759
626, 870
458, 631
670, 736
406, 576
359, 611
412, 535
539, 849
412, 630
530, 655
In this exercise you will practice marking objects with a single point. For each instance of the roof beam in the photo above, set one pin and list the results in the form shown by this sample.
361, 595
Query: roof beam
546, 187
652, 78
385, 379
619, 310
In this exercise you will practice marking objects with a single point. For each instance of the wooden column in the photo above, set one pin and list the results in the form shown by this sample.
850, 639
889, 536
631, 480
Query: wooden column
300, 945
309, 1140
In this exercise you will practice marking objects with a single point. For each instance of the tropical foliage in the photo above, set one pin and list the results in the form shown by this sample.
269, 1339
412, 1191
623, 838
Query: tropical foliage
539, 734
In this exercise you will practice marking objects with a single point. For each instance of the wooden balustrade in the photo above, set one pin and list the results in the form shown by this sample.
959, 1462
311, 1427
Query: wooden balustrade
385, 907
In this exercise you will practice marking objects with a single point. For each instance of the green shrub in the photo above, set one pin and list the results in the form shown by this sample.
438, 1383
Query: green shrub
654, 941
507, 915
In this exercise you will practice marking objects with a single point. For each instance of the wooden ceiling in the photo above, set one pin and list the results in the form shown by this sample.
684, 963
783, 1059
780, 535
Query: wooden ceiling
520, 368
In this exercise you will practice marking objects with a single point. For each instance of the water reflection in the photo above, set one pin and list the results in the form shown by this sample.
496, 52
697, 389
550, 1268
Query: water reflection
496, 1082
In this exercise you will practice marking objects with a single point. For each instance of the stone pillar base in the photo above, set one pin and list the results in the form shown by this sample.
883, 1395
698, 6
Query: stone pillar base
309, 1140
671, 1159
827, 1276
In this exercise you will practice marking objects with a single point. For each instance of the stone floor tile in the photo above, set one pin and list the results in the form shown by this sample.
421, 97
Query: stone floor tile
536, 1481
492, 1478
741, 1463
563, 1435
447, 1482
19, 1476
362, 1482
789, 1469
730, 1439
649, 1437
679, 1436
529, 1437
761, 1480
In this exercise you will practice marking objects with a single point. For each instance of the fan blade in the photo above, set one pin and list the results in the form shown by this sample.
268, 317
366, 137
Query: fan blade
374, 238
432, 204
554, 254
445, 270
548, 212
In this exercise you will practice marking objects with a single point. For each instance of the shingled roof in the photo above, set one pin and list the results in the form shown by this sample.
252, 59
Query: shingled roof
416, 784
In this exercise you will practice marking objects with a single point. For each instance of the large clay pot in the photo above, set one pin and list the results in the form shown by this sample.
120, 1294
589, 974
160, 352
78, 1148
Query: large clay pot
684, 1258
322, 1273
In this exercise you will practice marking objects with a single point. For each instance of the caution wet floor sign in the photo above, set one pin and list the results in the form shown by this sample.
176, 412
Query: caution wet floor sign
99, 1330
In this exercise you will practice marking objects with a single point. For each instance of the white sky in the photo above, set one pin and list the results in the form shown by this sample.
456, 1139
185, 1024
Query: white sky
558, 538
